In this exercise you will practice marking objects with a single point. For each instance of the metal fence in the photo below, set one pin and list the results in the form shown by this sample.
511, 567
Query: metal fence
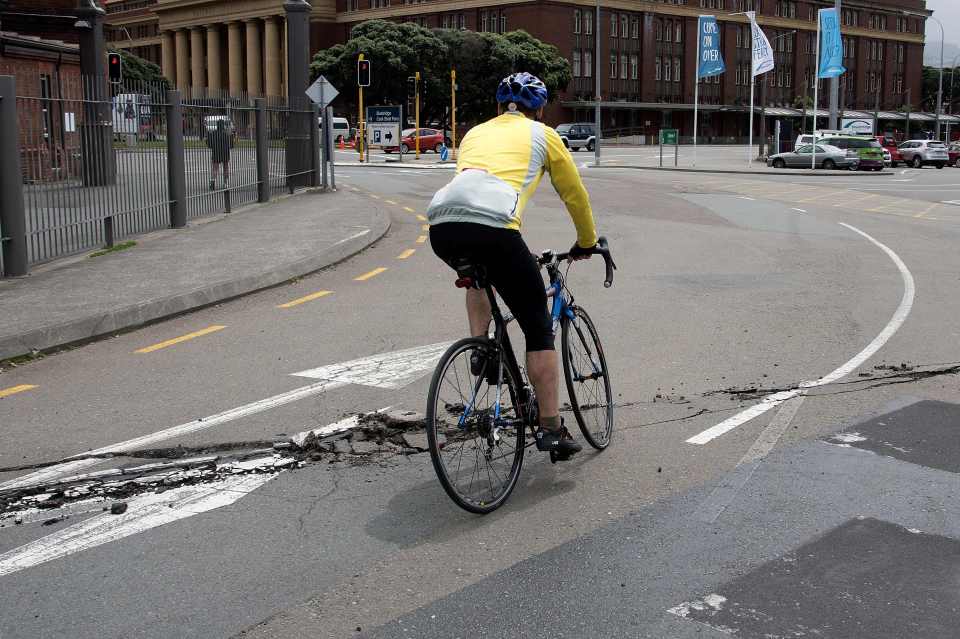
100, 164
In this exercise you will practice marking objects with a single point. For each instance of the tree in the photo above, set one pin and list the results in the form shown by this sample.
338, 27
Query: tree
397, 51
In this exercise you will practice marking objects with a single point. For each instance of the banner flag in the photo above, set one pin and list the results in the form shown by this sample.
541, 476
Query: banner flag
762, 51
711, 60
831, 45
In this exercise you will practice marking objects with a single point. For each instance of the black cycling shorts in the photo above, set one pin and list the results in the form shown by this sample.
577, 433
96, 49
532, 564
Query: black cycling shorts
510, 267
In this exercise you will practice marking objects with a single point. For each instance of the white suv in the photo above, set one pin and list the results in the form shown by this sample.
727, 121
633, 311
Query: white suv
919, 153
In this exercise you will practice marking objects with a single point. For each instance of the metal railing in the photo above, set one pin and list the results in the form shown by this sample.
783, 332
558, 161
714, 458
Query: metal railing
102, 164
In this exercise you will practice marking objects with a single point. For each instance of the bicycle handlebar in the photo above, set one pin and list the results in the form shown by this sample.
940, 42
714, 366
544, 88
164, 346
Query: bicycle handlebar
602, 249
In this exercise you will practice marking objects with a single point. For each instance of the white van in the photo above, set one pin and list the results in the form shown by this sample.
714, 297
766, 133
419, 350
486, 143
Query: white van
341, 128
806, 138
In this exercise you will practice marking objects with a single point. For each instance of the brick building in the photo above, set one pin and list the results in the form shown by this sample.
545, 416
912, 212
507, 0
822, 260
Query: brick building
647, 58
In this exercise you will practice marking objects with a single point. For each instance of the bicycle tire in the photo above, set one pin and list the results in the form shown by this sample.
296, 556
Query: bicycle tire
451, 360
600, 436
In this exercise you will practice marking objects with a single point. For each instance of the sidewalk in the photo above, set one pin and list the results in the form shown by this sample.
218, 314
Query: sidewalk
173, 271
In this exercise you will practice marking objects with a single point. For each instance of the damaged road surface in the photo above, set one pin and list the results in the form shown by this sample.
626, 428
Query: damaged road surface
249, 482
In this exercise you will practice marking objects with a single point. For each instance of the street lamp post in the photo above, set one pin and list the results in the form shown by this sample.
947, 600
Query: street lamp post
942, 38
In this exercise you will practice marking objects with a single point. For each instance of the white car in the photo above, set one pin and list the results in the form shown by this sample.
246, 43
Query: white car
920, 153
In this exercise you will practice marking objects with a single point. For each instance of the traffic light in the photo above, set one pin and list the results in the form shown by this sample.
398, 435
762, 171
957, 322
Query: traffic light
115, 67
411, 87
363, 73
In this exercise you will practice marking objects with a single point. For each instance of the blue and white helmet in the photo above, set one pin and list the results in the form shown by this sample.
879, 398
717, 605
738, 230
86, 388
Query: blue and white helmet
522, 88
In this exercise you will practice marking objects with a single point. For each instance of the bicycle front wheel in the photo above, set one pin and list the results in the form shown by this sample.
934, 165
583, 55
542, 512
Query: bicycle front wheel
587, 377
475, 426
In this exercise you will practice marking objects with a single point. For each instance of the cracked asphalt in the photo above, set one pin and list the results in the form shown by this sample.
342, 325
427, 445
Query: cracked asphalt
725, 294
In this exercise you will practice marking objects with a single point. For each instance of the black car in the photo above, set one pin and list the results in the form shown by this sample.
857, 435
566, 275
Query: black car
578, 135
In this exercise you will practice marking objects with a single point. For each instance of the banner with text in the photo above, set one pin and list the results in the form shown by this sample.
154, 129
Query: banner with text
711, 60
831, 45
762, 60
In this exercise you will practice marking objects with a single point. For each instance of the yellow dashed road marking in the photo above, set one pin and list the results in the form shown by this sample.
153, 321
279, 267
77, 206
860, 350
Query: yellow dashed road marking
389, 201
406, 254
421, 239
304, 299
374, 196
927, 210
422, 218
368, 275
425, 227
408, 209
13, 390
182, 338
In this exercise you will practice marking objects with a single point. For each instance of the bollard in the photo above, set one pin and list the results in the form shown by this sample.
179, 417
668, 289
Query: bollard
329, 127
13, 223
176, 169
263, 163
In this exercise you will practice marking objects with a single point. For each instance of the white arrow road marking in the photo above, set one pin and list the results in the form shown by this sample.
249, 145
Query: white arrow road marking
394, 370
386, 370
771, 401
143, 512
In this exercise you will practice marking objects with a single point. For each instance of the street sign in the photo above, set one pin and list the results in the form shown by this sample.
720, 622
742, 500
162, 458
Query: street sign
322, 93
444, 153
383, 126
668, 136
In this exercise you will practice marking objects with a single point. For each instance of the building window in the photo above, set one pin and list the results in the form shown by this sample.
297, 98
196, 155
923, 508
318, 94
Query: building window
353, 5
445, 21
635, 28
658, 69
613, 66
634, 66
461, 22
576, 21
676, 69
623, 67
587, 64
588, 22
900, 53
613, 25
624, 26
788, 78
503, 23
576, 63
679, 37
659, 31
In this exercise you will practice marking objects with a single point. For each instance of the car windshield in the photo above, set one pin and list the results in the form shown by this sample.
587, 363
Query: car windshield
408, 132
936, 145
874, 145
564, 128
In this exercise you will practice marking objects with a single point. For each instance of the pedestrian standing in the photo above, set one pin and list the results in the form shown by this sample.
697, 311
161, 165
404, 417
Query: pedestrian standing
219, 141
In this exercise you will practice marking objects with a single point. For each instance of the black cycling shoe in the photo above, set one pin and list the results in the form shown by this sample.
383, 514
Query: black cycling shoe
559, 443
478, 366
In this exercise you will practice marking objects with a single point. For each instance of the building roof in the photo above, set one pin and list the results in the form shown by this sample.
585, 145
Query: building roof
11, 38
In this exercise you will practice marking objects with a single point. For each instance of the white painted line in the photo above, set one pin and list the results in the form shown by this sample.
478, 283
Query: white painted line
386, 370
744, 197
393, 370
724, 494
143, 513
770, 401
799, 210
953, 202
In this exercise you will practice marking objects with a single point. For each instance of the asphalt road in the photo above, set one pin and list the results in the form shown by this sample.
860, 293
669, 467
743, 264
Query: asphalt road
730, 289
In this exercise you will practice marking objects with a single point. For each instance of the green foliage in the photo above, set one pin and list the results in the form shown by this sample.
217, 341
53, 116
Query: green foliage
931, 82
397, 51
139, 73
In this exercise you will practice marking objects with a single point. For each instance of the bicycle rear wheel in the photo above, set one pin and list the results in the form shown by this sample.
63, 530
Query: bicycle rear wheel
475, 429
587, 377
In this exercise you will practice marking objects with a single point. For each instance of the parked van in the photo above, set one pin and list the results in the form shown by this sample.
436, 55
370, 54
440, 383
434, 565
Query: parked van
341, 128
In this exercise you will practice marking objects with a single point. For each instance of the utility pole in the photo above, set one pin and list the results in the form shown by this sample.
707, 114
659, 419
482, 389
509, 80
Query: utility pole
417, 114
96, 128
453, 112
596, 108
298, 79
835, 87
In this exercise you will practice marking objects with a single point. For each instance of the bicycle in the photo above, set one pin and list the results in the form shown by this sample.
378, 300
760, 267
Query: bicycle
465, 408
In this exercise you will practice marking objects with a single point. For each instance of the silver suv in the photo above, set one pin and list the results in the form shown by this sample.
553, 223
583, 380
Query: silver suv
919, 153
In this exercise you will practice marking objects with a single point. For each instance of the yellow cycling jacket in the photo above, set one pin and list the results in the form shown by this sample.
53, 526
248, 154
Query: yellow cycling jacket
499, 167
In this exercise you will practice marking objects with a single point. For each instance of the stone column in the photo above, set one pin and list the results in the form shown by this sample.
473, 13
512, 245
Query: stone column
235, 58
272, 69
183, 61
197, 61
254, 58
214, 62
168, 57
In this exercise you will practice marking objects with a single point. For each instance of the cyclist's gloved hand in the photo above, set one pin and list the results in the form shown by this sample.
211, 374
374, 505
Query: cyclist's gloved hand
579, 253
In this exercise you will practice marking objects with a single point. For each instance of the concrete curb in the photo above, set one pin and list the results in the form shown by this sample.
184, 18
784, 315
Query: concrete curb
796, 172
88, 328
446, 166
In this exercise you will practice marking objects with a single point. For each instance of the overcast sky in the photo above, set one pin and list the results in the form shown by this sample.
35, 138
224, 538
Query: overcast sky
948, 12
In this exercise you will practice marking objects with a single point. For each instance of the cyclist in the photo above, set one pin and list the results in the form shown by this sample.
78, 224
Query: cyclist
477, 216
